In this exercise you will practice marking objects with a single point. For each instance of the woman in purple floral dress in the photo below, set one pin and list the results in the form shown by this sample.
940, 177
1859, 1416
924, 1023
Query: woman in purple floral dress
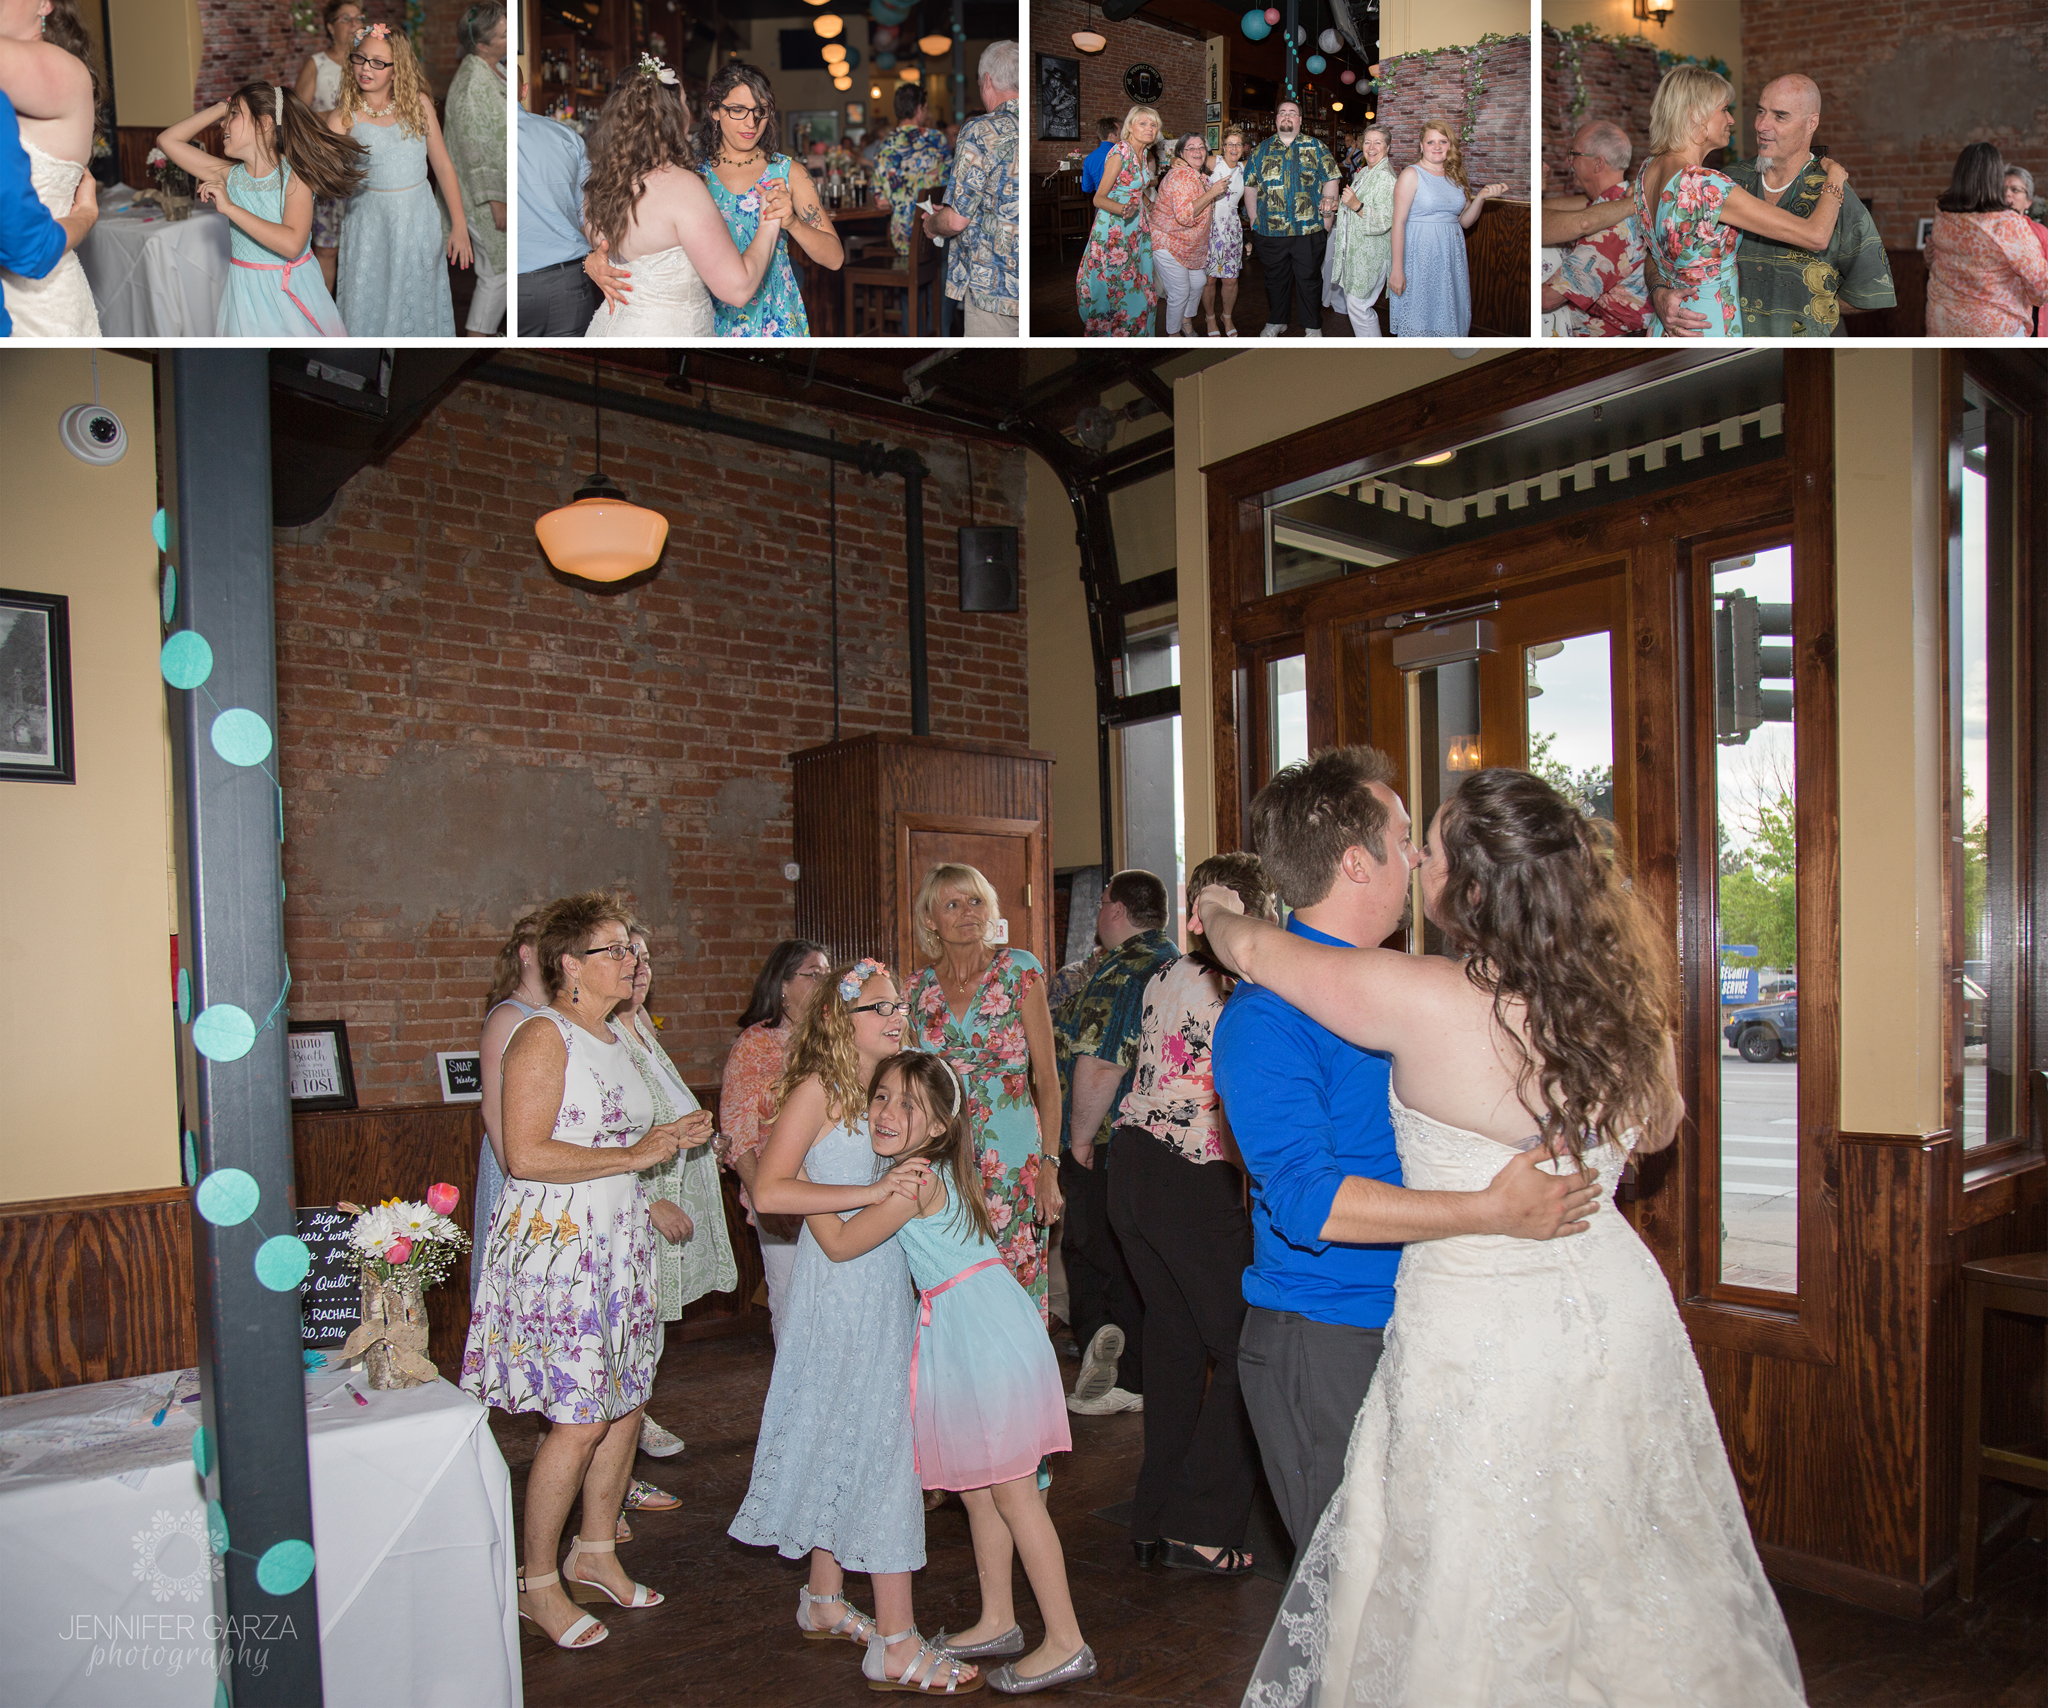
1114, 287
983, 1008
564, 1322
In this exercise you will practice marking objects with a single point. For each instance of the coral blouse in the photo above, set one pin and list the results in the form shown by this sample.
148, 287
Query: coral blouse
1176, 227
1985, 274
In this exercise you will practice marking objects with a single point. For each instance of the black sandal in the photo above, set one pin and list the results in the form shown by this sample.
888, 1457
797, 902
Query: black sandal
1183, 1556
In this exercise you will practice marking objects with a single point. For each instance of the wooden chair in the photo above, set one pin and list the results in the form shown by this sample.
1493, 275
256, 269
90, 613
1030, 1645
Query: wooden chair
1073, 213
895, 295
2019, 1286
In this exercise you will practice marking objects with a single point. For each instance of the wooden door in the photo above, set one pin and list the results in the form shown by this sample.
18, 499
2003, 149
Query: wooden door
1003, 850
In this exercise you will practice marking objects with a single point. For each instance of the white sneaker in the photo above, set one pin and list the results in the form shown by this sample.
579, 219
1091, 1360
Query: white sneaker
1098, 1364
1312, 332
1272, 329
656, 1442
1116, 1399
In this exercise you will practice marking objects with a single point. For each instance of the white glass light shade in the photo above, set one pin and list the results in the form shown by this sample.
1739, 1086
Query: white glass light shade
933, 46
1088, 41
829, 25
834, 52
602, 538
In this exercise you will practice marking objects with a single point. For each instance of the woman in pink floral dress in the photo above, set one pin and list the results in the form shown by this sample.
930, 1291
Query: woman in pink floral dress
984, 1009
1693, 217
1114, 288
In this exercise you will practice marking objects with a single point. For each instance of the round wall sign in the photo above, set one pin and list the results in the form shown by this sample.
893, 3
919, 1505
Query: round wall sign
1143, 83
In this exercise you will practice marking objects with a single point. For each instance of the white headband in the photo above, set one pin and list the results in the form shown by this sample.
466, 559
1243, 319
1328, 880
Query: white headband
277, 104
953, 1074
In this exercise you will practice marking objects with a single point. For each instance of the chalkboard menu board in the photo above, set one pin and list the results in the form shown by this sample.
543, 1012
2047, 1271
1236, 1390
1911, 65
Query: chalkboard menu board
330, 1298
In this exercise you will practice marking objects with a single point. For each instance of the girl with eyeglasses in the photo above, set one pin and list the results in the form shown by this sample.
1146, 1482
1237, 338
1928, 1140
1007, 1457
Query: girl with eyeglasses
392, 281
835, 1475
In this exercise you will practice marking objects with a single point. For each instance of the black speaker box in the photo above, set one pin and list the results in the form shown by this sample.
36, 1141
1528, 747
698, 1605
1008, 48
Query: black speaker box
988, 569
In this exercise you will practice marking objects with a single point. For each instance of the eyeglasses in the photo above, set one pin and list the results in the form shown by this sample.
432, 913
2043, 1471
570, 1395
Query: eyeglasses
884, 1009
813, 976
737, 114
377, 64
618, 952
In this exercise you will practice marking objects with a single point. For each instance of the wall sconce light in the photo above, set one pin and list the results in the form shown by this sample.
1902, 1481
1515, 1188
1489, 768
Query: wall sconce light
599, 536
1660, 10
1464, 754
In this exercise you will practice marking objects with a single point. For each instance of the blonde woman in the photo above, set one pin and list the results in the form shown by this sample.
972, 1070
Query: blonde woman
1114, 288
392, 283
1362, 246
1693, 218
983, 1008
1432, 291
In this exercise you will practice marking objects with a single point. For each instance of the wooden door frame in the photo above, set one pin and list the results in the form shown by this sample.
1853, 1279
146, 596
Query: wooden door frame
1038, 884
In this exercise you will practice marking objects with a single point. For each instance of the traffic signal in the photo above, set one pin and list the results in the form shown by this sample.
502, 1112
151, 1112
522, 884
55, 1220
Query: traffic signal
1752, 646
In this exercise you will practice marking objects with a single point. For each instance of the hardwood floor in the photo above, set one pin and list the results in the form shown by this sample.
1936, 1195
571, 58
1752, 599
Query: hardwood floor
726, 1637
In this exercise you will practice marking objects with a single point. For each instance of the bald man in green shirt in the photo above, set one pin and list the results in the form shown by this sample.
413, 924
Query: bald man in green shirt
1788, 292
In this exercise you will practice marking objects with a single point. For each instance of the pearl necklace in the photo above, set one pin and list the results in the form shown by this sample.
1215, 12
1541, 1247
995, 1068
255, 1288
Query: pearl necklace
383, 112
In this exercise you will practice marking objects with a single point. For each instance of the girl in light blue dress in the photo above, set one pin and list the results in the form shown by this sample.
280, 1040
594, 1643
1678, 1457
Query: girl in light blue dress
279, 159
391, 280
1429, 286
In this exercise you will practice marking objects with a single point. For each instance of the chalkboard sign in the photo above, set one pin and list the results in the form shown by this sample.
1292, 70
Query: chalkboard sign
462, 1075
331, 1296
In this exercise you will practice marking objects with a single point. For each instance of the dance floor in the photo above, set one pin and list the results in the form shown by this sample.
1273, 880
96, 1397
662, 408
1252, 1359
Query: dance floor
727, 1635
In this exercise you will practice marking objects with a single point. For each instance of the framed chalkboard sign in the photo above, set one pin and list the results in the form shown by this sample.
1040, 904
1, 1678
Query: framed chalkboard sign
331, 1296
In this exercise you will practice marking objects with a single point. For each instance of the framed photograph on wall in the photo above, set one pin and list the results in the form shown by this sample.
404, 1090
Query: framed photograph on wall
35, 688
1923, 231
1057, 93
800, 130
317, 1061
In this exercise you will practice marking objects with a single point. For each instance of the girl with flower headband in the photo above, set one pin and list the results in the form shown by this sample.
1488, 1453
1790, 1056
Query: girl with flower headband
985, 1398
645, 206
280, 157
392, 280
835, 1475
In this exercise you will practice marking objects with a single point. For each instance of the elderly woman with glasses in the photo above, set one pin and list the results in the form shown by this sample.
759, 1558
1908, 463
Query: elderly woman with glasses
476, 141
564, 1324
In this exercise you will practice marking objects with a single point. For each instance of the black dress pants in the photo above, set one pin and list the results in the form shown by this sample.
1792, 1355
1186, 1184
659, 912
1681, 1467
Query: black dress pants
1188, 1239
1099, 1285
557, 302
1293, 266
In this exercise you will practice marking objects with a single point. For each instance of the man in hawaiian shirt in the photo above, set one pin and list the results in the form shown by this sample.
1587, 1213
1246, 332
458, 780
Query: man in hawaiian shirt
910, 164
1788, 292
1598, 291
1290, 198
981, 204
1095, 1043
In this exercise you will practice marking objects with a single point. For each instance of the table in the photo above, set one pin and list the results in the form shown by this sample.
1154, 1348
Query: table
155, 277
108, 1588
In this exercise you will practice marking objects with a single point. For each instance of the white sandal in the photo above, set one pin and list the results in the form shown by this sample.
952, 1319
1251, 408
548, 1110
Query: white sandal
587, 1590
574, 1634
854, 1626
931, 1681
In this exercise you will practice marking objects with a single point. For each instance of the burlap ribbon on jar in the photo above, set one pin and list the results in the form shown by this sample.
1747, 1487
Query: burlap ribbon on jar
391, 1339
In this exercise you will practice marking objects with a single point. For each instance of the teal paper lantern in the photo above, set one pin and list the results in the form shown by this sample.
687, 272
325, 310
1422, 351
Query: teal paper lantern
885, 62
1255, 26
1316, 64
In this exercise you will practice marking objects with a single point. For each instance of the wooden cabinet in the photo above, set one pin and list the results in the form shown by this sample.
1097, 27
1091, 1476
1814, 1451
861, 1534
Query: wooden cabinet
872, 814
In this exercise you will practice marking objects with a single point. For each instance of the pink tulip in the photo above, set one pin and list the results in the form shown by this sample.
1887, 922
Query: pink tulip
398, 1250
442, 1198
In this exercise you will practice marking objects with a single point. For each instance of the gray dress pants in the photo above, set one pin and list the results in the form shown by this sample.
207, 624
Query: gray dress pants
1303, 1382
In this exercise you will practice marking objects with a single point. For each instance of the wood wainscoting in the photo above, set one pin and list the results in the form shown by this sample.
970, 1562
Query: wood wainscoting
94, 1289
1497, 259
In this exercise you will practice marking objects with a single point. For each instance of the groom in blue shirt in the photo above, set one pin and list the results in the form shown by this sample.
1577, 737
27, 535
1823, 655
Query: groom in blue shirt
1310, 1115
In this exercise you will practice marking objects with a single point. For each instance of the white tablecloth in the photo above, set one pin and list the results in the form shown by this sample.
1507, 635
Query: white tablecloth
107, 1596
155, 277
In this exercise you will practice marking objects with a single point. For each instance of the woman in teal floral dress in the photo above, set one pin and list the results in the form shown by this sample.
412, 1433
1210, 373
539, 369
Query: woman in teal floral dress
983, 1008
1114, 287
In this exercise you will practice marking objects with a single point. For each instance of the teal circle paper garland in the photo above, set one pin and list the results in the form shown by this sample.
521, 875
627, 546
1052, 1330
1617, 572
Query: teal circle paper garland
186, 659
202, 1451
223, 1032
241, 737
228, 1197
285, 1566
282, 1262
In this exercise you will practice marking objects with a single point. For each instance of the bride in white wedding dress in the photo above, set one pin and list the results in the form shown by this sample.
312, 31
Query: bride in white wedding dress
646, 208
44, 72
1537, 1508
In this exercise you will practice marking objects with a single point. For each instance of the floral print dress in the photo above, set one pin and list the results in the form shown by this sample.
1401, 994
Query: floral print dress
564, 1320
1114, 288
994, 1057
776, 310
1694, 249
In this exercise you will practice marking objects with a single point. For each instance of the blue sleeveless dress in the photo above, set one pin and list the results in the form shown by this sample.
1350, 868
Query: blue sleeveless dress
268, 296
490, 1178
986, 1401
833, 1466
1437, 302
392, 273
776, 310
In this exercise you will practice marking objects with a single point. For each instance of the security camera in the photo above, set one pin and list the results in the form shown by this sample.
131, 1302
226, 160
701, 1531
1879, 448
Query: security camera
93, 433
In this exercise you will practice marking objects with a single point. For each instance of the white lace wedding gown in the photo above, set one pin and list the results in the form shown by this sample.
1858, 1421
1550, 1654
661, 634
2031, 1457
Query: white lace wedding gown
59, 305
669, 300
1536, 1508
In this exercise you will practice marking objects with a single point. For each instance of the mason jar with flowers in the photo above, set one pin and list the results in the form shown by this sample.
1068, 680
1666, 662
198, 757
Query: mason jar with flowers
405, 1248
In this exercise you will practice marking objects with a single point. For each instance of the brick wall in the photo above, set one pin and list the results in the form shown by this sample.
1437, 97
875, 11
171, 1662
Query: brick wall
464, 734
1180, 61
1434, 86
246, 39
1906, 87
1620, 82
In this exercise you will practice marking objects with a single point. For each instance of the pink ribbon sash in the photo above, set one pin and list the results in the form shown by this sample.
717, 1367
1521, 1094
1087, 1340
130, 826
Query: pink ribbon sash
285, 267
924, 1317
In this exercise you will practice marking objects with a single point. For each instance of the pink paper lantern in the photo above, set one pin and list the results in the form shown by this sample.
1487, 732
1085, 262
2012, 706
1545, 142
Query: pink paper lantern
442, 1198
1347, 75
1272, 14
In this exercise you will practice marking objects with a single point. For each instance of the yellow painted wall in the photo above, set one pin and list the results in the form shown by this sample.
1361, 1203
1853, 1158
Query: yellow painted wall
1702, 29
157, 47
88, 1100
1889, 446
1062, 685
1410, 26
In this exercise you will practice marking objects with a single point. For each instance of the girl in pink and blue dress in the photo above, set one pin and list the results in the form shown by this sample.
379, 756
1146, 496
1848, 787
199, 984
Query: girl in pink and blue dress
986, 1404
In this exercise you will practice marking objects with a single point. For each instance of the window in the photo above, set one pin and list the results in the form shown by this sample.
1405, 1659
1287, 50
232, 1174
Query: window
1286, 711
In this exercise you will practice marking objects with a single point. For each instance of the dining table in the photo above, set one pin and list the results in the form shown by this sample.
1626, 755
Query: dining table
153, 276
824, 299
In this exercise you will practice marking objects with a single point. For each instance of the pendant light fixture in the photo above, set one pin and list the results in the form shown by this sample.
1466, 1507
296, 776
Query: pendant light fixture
1089, 39
829, 25
599, 536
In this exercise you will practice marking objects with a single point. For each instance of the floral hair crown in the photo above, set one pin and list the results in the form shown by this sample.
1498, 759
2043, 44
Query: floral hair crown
856, 976
381, 31
652, 67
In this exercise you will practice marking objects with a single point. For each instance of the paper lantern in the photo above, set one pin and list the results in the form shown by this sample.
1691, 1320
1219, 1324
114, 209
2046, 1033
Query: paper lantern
829, 25
1316, 64
883, 35
1255, 26
1347, 75
1272, 15
1329, 41
1300, 36
884, 61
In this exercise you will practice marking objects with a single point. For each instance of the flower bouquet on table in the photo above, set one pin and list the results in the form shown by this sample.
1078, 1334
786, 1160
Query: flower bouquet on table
173, 192
405, 1248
